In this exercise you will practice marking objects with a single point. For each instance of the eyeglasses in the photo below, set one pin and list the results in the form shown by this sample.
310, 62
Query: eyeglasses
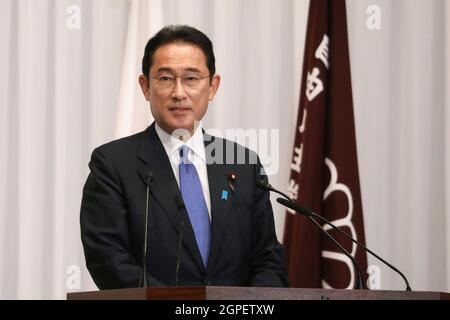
188, 80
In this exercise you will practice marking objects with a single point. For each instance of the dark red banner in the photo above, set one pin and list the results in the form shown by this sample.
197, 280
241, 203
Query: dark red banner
324, 168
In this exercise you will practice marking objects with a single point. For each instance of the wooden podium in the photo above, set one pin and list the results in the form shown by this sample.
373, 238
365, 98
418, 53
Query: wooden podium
252, 293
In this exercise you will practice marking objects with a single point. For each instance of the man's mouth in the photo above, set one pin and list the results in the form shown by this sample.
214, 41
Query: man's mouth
179, 110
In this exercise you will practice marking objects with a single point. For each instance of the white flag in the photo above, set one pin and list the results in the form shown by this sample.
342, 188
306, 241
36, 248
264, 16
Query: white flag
133, 112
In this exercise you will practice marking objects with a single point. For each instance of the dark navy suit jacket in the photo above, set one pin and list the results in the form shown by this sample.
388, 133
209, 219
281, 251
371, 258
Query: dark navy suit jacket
244, 248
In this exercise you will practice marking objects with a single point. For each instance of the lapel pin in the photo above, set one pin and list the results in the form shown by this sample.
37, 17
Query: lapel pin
224, 195
231, 180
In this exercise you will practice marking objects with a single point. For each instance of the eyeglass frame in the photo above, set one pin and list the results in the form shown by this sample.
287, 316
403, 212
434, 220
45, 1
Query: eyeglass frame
173, 79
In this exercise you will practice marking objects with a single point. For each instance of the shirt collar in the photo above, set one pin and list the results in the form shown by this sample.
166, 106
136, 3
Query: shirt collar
172, 144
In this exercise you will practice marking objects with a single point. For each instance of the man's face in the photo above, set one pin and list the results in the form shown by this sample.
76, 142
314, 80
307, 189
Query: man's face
175, 100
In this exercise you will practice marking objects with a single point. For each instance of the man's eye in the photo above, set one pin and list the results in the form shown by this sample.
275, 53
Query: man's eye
165, 78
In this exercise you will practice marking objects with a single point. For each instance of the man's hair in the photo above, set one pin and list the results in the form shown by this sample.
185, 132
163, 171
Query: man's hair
179, 33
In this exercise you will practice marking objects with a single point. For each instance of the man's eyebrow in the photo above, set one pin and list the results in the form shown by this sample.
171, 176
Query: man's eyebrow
192, 70
164, 69
167, 69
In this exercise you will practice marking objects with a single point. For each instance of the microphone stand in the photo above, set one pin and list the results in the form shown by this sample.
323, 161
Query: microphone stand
143, 282
359, 282
262, 184
180, 207
308, 212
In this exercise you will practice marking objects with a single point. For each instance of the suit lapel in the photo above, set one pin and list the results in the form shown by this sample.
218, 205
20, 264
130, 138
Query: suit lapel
218, 182
165, 188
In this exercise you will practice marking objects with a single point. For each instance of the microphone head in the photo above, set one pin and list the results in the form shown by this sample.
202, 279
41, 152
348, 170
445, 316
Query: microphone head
263, 184
179, 203
150, 177
294, 206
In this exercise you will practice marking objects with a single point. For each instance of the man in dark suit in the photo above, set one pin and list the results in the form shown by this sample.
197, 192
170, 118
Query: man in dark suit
208, 223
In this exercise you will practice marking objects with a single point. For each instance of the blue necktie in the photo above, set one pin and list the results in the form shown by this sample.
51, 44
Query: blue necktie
191, 190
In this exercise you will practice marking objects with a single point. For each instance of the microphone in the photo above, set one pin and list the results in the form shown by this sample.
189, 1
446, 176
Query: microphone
308, 212
295, 207
265, 185
143, 282
180, 207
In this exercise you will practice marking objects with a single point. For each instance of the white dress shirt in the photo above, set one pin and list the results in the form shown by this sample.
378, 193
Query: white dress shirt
196, 155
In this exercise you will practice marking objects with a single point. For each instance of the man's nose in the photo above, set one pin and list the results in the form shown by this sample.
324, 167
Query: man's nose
178, 89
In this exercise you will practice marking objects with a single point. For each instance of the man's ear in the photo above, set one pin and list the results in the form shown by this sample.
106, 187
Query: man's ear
145, 86
214, 86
